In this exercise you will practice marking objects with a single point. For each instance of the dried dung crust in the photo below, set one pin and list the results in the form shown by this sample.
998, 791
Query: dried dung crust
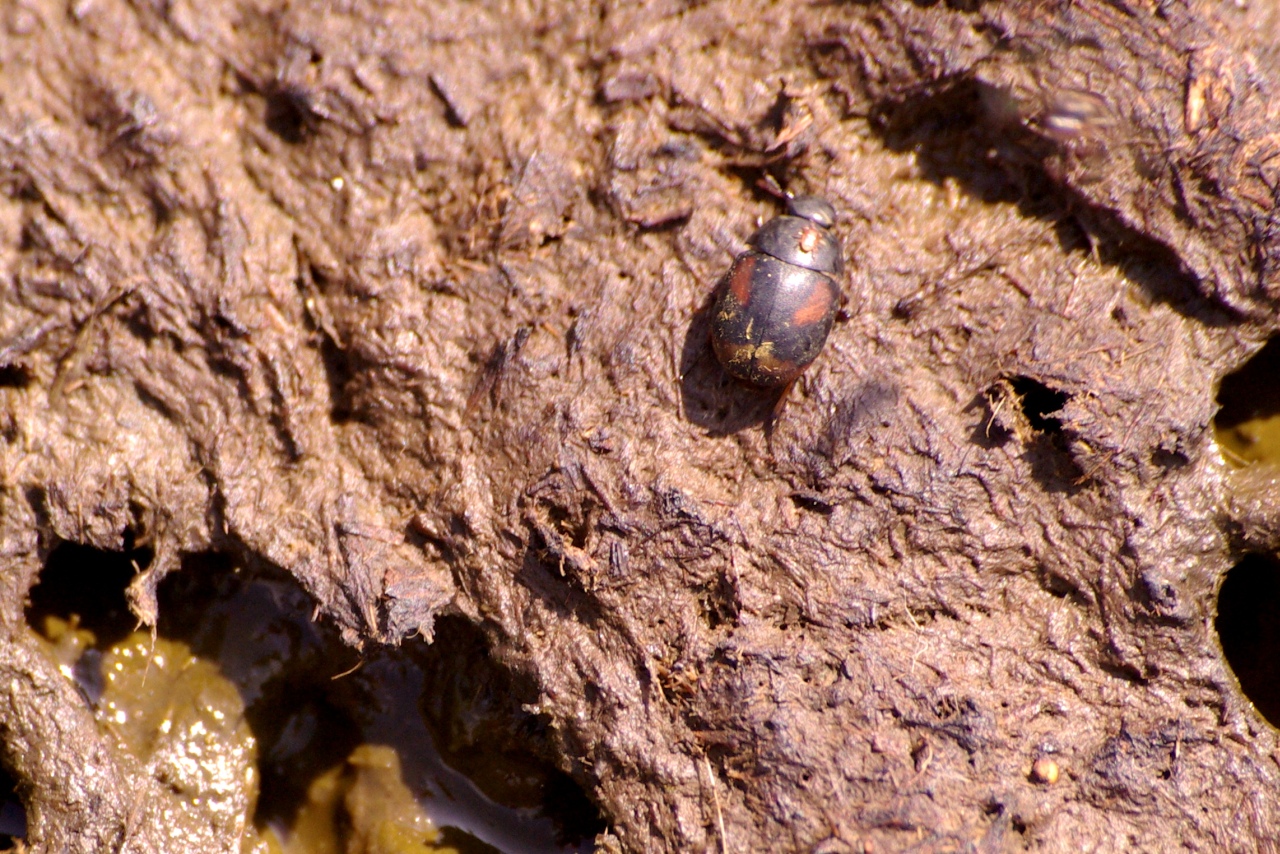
410, 301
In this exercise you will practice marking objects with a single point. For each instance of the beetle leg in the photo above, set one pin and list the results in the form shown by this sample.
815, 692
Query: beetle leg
778, 405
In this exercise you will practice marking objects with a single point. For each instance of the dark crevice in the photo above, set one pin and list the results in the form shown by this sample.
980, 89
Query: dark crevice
86, 586
1118, 668
813, 502
138, 323
480, 719
1169, 459
1251, 393
573, 524
341, 366
14, 376
1248, 625
964, 133
339, 373
291, 115
312, 702
13, 814
1039, 402
1062, 587
320, 700
1025, 408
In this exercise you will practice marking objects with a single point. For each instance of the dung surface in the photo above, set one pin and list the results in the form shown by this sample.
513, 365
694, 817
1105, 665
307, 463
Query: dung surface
410, 303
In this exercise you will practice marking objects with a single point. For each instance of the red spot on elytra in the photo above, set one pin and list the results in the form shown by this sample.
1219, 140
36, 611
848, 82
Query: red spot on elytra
740, 279
814, 308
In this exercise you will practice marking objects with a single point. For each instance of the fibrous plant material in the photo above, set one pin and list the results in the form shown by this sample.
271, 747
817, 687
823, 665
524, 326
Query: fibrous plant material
410, 301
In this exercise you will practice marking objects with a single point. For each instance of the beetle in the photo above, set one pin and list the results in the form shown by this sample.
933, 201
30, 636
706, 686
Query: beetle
776, 305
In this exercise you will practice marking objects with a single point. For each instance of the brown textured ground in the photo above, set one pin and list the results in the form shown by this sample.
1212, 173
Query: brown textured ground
407, 301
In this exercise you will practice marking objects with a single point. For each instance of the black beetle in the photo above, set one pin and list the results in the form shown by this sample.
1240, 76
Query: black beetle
776, 306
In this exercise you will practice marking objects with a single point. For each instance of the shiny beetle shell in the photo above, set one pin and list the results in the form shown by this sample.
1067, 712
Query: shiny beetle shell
775, 308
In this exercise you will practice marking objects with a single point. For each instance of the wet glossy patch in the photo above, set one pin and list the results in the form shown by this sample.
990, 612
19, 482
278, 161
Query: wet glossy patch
1248, 424
247, 707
